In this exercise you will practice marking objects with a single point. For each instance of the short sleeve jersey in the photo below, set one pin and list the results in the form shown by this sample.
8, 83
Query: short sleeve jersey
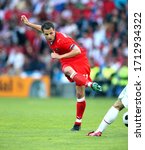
64, 44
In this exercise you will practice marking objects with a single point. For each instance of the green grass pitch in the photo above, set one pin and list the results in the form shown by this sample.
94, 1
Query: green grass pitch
44, 124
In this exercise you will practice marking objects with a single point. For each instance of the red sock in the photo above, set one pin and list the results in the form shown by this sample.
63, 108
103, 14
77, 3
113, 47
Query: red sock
80, 79
80, 108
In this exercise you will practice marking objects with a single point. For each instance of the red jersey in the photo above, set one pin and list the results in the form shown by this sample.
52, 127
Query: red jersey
64, 44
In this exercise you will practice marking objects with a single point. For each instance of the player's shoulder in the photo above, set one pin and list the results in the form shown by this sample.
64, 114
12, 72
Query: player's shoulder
62, 35
62, 38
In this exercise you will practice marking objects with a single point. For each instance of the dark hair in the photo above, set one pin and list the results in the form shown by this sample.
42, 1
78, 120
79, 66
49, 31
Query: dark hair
47, 25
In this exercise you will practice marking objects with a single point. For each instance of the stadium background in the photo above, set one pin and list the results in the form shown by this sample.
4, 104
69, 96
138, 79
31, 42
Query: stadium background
100, 26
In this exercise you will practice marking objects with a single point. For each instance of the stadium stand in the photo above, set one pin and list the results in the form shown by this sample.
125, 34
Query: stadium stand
102, 24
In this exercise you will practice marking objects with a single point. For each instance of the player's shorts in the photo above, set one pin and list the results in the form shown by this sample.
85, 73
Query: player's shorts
81, 68
124, 97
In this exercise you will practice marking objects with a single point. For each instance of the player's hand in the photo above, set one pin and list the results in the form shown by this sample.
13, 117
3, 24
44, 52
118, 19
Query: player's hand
55, 56
24, 19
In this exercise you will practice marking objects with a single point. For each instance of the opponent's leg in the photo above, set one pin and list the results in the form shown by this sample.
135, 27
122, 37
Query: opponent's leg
109, 118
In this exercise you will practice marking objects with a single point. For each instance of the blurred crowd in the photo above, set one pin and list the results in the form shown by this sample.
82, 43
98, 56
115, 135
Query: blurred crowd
100, 26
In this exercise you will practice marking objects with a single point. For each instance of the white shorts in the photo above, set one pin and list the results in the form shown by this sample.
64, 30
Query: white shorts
123, 96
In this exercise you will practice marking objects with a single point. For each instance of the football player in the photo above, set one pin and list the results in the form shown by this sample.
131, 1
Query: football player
112, 113
74, 63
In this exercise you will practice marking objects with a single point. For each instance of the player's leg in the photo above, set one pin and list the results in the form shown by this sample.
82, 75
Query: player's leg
109, 118
81, 79
123, 96
112, 113
80, 107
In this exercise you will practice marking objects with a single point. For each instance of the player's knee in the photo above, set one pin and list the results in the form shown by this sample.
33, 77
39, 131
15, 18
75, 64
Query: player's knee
79, 95
118, 105
68, 71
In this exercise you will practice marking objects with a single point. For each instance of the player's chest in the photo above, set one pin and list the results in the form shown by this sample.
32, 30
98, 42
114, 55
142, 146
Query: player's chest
58, 49
55, 48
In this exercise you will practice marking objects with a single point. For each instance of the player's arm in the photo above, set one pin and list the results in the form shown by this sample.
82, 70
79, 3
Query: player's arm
25, 20
75, 51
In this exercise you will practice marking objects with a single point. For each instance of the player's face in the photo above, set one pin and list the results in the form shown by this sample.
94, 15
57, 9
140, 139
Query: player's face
49, 34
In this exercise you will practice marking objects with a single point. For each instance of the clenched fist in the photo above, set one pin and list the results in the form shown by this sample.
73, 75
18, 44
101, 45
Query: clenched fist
55, 56
24, 19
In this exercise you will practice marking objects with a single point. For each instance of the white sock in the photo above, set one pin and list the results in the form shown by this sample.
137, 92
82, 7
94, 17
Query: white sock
110, 117
79, 120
